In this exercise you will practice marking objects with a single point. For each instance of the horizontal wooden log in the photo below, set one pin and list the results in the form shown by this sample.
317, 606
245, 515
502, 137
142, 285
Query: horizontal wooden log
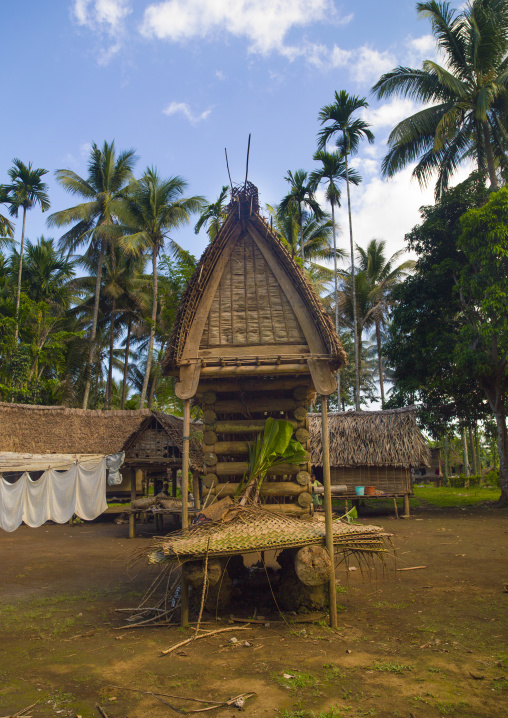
255, 404
303, 478
209, 458
210, 480
342, 489
300, 413
242, 426
254, 370
268, 488
305, 499
209, 416
238, 385
228, 448
302, 435
238, 468
210, 437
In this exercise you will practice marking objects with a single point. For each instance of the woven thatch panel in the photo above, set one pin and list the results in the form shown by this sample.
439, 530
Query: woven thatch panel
243, 214
371, 438
29, 429
249, 307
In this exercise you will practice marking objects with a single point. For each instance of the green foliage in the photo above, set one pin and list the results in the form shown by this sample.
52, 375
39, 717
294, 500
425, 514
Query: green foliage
492, 478
271, 447
463, 481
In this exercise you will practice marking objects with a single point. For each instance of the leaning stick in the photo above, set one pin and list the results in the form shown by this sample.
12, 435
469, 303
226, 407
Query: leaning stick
205, 635
410, 568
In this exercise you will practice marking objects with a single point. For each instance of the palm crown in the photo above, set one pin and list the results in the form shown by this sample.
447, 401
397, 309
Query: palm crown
468, 96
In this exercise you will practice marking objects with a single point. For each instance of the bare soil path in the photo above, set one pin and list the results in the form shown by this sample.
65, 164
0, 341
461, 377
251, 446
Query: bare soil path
427, 643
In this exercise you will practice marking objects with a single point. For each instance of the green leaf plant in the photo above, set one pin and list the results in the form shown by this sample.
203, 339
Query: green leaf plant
273, 446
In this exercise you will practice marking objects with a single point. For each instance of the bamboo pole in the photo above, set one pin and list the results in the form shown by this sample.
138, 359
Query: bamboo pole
184, 610
464, 451
132, 515
195, 489
328, 508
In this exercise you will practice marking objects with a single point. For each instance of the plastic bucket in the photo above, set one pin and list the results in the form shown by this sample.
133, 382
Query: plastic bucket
370, 491
359, 490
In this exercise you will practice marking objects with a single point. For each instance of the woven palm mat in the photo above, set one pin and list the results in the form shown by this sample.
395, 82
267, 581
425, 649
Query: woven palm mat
246, 529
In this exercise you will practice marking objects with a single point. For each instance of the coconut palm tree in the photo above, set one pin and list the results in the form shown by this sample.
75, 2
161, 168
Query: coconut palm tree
154, 208
25, 190
383, 275
213, 215
93, 220
332, 171
348, 132
6, 226
301, 196
465, 98
46, 273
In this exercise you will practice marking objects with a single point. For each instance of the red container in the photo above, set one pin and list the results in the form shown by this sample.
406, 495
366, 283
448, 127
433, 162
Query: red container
370, 491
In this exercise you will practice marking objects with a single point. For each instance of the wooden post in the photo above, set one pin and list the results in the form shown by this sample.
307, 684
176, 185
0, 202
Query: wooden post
184, 612
406, 505
195, 489
446, 471
328, 508
132, 515
173, 482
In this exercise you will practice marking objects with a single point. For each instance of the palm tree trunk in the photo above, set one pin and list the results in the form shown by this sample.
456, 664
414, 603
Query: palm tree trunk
464, 451
300, 224
490, 156
380, 362
18, 293
152, 329
126, 361
336, 295
353, 282
152, 391
110, 363
94, 326
472, 452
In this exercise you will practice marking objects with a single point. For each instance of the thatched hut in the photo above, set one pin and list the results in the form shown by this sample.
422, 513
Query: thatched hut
251, 340
372, 448
34, 438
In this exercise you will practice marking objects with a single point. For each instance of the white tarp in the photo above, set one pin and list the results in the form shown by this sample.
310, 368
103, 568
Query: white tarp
56, 496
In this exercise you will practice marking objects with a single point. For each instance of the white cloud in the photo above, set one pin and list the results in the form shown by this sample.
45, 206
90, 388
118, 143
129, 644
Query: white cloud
102, 14
220, 75
264, 23
106, 17
390, 113
182, 108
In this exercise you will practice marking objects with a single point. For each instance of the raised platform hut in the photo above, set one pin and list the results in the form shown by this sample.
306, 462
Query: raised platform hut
371, 449
252, 340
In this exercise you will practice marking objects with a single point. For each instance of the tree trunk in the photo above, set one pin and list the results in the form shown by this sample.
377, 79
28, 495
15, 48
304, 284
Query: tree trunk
473, 450
152, 328
151, 394
300, 226
18, 293
126, 361
464, 452
380, 361
107, 398
502, 444
91, 351
490, 156
446, 471
353, 283
336, 294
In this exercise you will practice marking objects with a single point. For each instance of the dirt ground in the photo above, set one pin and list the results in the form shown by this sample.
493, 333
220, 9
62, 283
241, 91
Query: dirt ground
425, 643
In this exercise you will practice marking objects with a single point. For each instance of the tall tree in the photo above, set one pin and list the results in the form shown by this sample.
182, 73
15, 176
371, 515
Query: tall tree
213, 215
301, 196
104, 191
466, 98
331, 172
25, 190
383, 275
154, 208
348, 132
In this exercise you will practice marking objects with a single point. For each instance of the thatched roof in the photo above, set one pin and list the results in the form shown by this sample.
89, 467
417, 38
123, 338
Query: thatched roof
371, 438
31, 429
251, 295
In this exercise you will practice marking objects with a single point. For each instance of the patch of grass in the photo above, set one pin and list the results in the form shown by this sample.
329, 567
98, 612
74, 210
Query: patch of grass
298, 680
333, 713
448, 708
433, 669
387, 604
387, 667
446, 496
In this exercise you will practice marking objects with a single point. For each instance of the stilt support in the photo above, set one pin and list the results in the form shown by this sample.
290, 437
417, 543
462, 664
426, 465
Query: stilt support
325, 442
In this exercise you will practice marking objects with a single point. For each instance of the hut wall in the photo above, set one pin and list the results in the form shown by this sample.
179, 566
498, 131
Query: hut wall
153, 445
124, 489
390, 479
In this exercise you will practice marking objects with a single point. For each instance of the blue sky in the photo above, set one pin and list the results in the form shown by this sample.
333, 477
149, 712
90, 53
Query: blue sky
179, 80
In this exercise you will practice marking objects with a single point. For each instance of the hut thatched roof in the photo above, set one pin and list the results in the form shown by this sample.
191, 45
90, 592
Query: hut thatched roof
32, 429
248, 300
371, 438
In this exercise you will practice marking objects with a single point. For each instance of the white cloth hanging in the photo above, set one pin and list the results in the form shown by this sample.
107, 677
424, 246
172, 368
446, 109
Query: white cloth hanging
113, 463
56, 496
